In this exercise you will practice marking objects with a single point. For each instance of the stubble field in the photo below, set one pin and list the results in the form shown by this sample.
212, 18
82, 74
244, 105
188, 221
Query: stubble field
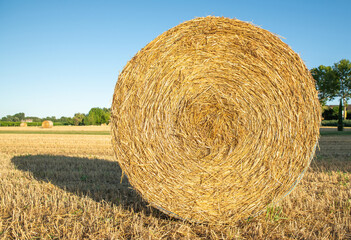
66, 185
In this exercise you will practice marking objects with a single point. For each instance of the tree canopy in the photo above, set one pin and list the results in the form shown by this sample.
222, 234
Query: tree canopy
97, 116
342, 70
334, 81
326, 83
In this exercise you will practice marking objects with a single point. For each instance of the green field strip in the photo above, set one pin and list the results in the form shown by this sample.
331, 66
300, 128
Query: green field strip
335, 133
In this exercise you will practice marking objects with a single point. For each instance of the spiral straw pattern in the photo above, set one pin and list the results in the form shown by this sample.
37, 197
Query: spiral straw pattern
214, 120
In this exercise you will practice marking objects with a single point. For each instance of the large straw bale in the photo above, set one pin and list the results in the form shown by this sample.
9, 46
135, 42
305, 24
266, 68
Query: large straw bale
214, 120
23, 124
47, 124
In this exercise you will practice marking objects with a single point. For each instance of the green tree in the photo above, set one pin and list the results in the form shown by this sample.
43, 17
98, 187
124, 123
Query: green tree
52, 118
332, 82
78, 119
106, 116
343, 73
326, 83
97, 116
64, 120
15, 118
19, 116
67, 120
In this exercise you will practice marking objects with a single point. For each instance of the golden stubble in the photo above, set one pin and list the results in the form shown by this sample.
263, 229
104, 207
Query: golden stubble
69, 187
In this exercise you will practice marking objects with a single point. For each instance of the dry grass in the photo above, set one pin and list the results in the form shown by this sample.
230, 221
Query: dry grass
52, 188
214, 120
56, 144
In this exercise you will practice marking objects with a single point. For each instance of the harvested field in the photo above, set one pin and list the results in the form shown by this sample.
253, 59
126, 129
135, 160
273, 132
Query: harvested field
56, 144
69, 187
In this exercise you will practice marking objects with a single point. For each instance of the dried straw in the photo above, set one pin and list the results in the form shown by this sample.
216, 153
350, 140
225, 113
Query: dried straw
23, 124
214, 120
47, 124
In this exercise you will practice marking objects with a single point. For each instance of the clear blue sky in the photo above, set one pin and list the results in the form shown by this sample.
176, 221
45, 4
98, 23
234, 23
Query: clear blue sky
61, 57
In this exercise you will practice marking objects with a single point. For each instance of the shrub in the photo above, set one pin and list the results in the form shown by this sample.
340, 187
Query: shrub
330, 113
9, 124
31, 124
347, 123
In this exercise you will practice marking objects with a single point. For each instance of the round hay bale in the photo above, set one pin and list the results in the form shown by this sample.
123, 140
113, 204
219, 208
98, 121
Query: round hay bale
214, 120
47, 124
23, 124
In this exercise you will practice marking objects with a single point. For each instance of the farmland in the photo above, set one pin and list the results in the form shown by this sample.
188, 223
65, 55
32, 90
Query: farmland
66, 185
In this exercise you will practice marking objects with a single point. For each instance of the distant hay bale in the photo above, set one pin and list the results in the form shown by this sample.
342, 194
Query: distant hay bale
23, 124
47, 124
103, 125
214, 120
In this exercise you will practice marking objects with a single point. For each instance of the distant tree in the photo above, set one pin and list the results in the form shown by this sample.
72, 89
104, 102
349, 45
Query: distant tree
66, 120
78, 119
343, 72
326, 83
332, 82
8, 118
97, 116
107, 115
14, 118
19, 116
52, 118
63, 119
69, 121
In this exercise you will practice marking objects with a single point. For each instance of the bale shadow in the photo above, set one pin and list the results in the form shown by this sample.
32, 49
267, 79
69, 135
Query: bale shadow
99, 179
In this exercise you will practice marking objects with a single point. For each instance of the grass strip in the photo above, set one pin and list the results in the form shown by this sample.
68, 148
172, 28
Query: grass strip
335, 133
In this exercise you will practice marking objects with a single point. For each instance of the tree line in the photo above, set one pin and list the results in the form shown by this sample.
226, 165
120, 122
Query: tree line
96, 116
334, 82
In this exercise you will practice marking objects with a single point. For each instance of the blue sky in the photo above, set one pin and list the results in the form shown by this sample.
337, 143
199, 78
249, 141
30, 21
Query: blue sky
58, 58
